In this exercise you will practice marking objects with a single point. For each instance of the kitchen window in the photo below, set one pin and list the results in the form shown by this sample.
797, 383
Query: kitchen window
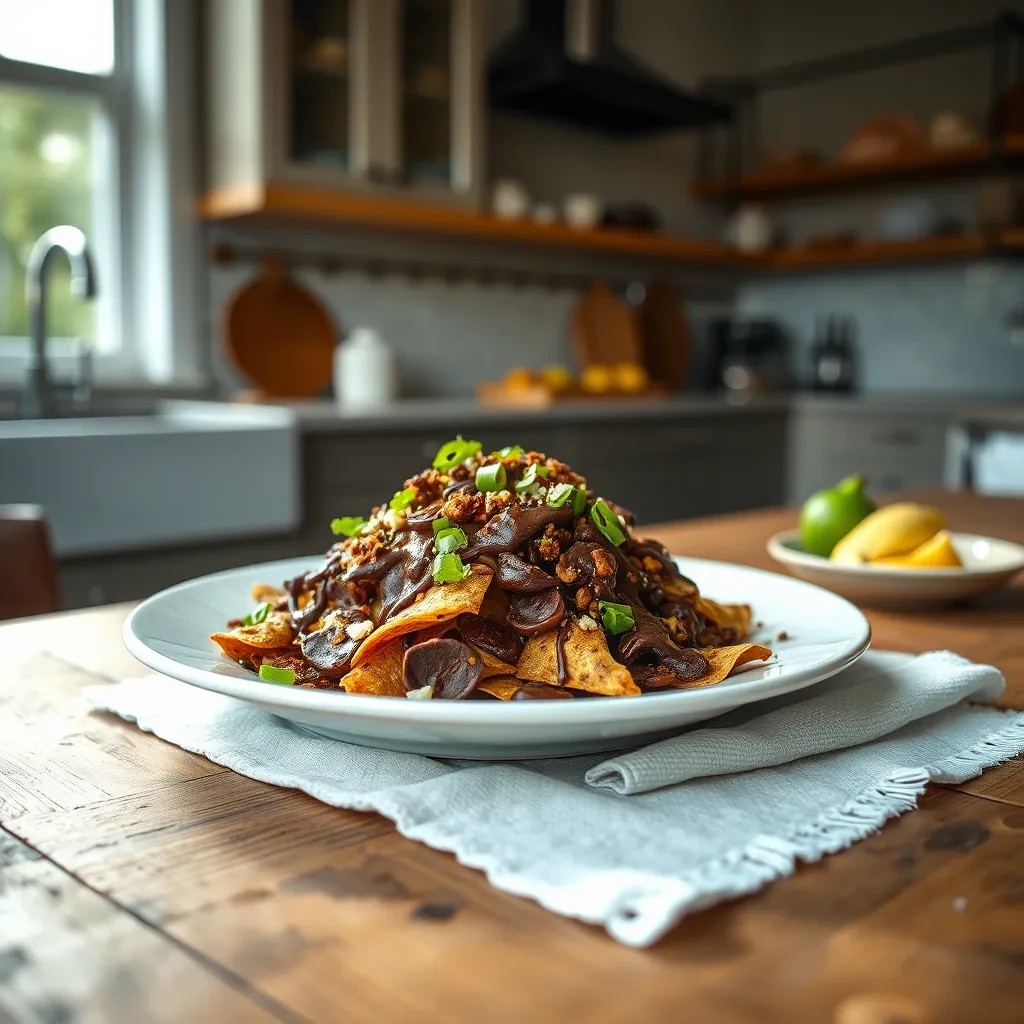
95, 133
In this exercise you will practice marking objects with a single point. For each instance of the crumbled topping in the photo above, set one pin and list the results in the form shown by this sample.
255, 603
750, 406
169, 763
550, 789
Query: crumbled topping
359, 630
587, 623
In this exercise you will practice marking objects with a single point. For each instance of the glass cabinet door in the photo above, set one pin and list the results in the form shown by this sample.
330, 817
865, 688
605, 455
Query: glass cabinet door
425, 40
319, 74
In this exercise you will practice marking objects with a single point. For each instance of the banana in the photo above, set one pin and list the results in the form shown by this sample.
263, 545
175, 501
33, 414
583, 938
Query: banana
893, 530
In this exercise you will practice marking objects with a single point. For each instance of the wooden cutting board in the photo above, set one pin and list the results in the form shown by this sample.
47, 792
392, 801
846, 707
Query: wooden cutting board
665, 336
279, 336
603, 329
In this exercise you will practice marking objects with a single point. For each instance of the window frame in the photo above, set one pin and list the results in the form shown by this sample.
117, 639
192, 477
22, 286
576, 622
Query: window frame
148, 312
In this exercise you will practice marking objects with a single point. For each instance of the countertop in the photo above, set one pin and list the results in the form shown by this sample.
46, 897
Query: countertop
141, 882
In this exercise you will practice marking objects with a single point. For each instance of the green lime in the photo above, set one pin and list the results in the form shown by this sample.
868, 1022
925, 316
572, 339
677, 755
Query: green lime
829, 515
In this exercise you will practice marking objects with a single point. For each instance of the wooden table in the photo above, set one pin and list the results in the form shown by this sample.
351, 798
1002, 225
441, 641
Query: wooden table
142, 883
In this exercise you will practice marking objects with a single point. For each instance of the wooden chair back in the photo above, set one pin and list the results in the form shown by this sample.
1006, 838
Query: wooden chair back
27, 566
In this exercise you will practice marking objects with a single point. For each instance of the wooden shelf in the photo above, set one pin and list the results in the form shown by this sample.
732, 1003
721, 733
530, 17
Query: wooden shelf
277, 205
834, 177
295, 206
878, 253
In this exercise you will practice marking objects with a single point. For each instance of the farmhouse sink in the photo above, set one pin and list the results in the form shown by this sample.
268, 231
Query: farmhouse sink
185, 472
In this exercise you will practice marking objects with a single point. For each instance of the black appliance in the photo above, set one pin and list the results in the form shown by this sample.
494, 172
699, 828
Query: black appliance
561, 63
747, 356
833, 355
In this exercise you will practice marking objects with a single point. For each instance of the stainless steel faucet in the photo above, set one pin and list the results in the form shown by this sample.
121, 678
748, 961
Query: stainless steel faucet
37, 401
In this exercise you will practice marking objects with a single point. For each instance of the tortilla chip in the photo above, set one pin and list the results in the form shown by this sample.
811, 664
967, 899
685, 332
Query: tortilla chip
379, 676
590, 664
274, 631
441, 603
735, 616
506, 688
263, 593
723, 661
493, 667
502, 687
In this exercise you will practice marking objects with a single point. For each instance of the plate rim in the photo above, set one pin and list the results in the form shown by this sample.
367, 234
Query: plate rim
777, 547
487, 713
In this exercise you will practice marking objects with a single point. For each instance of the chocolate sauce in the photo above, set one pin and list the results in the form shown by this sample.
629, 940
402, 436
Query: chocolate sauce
527, 692
450, 666
561, 668
410, 576
513, 527
460, 485
516, 574
491, 636
423, 519
319, 649
530, 614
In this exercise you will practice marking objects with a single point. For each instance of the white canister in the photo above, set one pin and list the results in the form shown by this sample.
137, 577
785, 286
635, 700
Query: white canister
365, 372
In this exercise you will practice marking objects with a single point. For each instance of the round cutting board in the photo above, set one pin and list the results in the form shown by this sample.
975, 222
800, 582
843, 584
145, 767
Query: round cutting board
666, 336
604, 332
279, 336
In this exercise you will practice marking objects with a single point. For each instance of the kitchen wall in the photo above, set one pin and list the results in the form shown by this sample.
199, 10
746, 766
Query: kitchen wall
448, 335
926, 329
923, 329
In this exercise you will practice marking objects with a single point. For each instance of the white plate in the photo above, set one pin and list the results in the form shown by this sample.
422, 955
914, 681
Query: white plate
988, 563
170, 634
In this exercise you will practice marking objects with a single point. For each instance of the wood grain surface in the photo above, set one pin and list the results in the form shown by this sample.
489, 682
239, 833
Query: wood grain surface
139, 882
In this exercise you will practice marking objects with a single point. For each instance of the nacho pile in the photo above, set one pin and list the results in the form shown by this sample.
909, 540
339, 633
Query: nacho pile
497, 576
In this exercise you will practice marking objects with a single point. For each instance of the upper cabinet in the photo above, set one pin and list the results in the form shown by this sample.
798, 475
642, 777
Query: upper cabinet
382, 95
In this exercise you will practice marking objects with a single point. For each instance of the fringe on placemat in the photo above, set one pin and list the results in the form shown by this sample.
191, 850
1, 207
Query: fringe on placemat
644, 917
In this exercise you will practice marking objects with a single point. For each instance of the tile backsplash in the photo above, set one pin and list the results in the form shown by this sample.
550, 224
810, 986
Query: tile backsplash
937, 329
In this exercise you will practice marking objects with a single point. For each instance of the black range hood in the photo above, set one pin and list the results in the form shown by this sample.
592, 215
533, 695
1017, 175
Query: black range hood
561, 63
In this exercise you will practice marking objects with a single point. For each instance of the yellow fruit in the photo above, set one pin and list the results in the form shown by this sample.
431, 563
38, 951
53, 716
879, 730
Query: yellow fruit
519, 379
597, 378
892, 530
558, 378
937, 553
631, 377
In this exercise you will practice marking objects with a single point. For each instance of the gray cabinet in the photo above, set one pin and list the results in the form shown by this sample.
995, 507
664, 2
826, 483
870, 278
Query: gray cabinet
894, 450
374, 95
687, 468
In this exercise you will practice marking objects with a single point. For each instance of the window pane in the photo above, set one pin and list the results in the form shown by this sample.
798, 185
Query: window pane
320, 77
48, 147
77, 35
426, 90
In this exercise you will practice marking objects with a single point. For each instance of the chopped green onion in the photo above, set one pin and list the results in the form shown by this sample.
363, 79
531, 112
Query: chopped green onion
402, 499
258, 614
444, 523
530, 477
617, 618
447, 567
508, 451
452, 539
491, 478
451, 453
270, 674
607, 522
560, 494
348, 525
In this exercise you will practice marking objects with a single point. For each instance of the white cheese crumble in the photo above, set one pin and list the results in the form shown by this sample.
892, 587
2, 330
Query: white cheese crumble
423, 693
587, 623
394, 520
357, 630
